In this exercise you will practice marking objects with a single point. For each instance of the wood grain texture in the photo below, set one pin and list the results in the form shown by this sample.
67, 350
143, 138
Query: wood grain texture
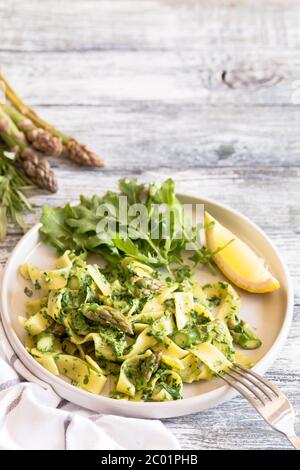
204, 91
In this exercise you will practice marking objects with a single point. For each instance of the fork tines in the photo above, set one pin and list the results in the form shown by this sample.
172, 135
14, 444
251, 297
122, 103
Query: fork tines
266, 398
243, 379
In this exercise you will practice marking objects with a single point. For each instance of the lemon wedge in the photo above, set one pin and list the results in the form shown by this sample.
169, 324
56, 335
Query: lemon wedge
237, 261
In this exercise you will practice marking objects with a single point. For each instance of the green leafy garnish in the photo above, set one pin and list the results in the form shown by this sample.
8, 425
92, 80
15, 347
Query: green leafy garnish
140, 236
13, 202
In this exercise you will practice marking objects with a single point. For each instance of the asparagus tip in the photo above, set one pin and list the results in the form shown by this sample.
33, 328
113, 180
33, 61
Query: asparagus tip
46, 143
38, 170
81, 155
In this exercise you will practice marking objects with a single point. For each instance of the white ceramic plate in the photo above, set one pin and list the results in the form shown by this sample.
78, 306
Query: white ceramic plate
269, 314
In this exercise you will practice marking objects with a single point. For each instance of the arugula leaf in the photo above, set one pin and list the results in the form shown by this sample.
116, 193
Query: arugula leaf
131, 189
95, 225
55, 229
126, 246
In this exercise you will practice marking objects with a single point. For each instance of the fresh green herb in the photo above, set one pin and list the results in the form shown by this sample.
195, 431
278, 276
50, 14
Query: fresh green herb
79, 227
28, 292
215, 300
171, 386
13, 202
86, 379
182, 273
115, 339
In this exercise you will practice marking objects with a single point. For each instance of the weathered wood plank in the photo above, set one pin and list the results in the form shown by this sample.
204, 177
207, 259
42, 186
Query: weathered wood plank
231, 77
146, 24
135, 136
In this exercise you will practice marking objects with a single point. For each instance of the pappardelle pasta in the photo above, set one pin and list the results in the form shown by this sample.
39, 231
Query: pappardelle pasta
130, 328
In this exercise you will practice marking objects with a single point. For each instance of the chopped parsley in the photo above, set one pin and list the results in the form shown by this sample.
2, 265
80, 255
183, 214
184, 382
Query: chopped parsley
28, 292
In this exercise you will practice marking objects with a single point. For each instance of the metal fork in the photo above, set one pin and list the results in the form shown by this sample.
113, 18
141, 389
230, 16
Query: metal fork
266, 398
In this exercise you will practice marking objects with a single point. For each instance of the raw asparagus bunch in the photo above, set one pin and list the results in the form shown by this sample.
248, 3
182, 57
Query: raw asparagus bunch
40, 139
29, 138
74, 150
37, 169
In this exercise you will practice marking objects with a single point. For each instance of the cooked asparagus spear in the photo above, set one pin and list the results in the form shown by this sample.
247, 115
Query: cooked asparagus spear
107, 316
37, 169
242, 334
40, 139
149, 366
73, 149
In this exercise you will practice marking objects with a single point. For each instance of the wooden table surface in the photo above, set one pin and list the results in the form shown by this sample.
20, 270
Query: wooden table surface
206, 92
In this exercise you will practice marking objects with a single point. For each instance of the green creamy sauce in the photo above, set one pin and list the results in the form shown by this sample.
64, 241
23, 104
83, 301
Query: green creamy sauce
124, 322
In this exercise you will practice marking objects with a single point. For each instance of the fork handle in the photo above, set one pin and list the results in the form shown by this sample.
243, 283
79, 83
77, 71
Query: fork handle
295, 441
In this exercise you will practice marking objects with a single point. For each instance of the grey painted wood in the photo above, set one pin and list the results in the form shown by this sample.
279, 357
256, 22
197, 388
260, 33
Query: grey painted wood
204, 91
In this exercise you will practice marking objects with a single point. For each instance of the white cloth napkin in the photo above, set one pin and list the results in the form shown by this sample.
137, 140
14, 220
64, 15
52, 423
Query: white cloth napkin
33, 416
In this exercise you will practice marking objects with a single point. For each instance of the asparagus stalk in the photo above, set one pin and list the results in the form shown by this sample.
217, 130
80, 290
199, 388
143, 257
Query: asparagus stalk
242, 334
40, 139
75, 151
38, 170
107, 316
